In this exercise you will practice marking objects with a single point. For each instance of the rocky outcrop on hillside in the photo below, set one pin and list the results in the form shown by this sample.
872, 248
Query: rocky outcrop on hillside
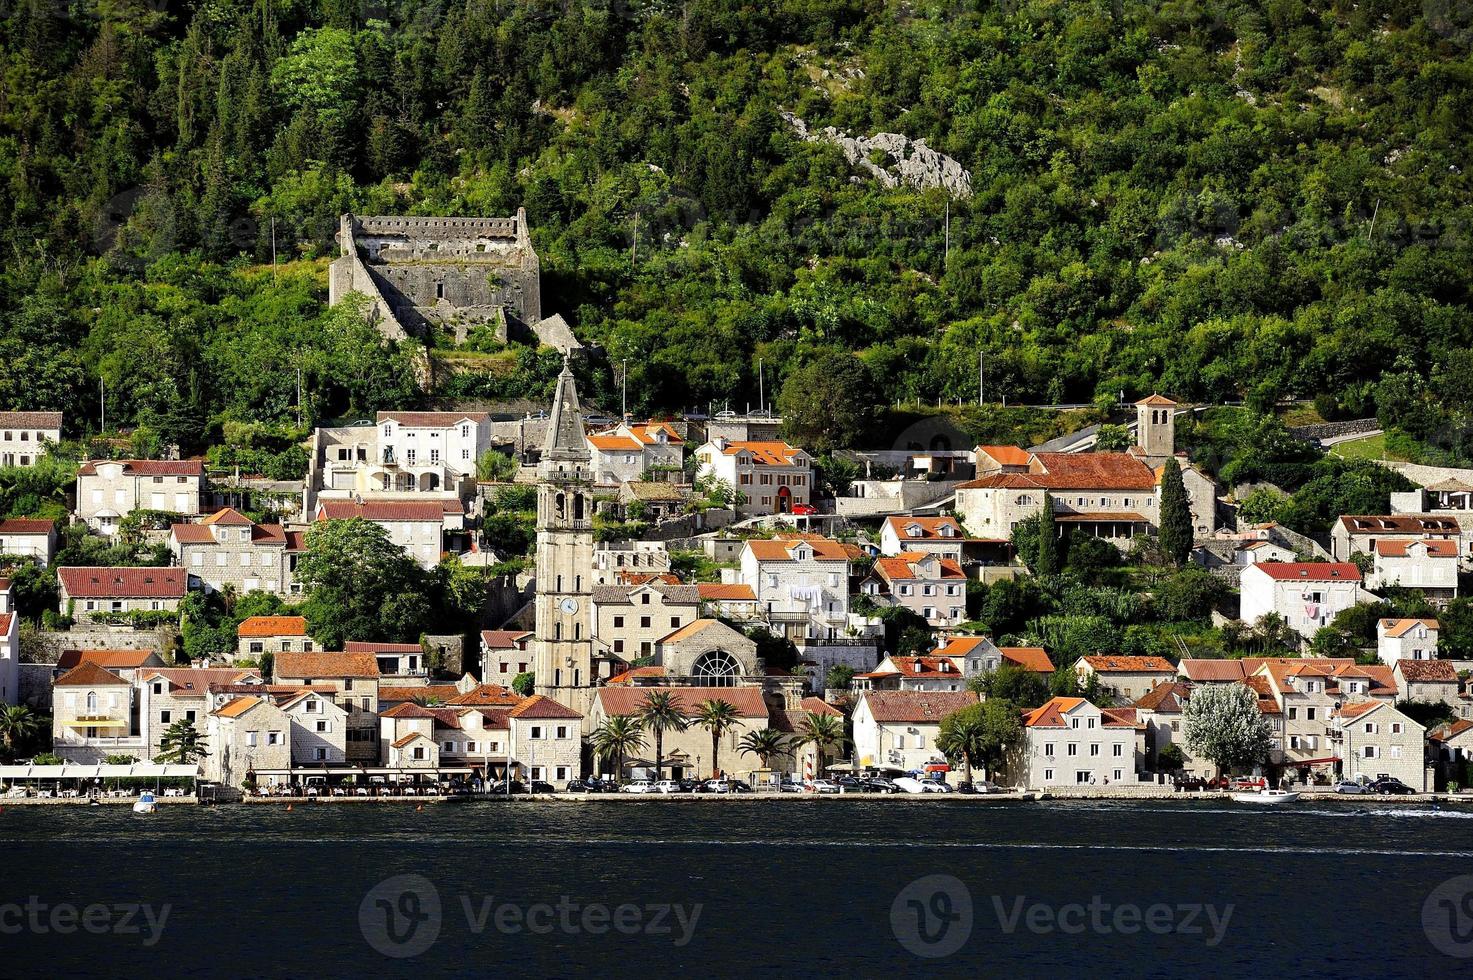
893, 159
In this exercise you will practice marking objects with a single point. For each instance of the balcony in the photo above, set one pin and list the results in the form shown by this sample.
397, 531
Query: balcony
96, 721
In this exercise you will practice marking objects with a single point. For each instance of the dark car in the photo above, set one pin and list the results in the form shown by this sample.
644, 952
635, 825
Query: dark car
1183, 783
515, 788
579, 786
738, 786
688, 785
1391, 785
849, 784
540, 786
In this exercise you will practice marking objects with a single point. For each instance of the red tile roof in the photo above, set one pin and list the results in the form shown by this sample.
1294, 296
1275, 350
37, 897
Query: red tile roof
1156, 400
628, 700
1397, 548
959, 646
628, 676
724, 592
538, 706
1427, 671
487, 695
504, 639
359, 646
1073, 471
647, 433
88, 675
931, 528
1398, 524
433, 420
915, 706
782, 549
288, 664
27, 525
765, 453
148, 467
1312, 571
227, 517
110, 659
615, 443
123, 583
1051, 713
1006, 455
273, 626
909, 566
1031, 658
1130, 665
388, 510
197, 681
1400, 627
1166, 697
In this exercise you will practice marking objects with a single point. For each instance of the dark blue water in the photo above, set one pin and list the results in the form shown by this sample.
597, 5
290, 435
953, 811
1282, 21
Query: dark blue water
774, 888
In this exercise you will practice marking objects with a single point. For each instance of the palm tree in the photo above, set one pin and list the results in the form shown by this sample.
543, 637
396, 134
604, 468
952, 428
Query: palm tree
182, 743
820, 731
718, 717
963, 736
763, 743
17, 723
616, 737
660, 713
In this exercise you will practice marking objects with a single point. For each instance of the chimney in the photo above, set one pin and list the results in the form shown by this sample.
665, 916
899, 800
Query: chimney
720, 443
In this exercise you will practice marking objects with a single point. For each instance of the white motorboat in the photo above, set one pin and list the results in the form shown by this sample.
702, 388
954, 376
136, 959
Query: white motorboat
1269, 796
146, 803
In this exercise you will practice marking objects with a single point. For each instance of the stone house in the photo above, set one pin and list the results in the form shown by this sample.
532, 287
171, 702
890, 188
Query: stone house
110, 489
259, 635
94, 715
913, 674
167, 695
399, 664
773, 477
629, 620
247, 734
1428, 564
657, 499
1355, 534
1071, 742
228, 548
1126, 677
708, 653
1308, 692
629, 451
612, 559
940, 536
1162, 711
1406, 639
927, 584
24, 436
319, 729
89, 593
28, 538
1427, 680
687, 752
505, 654
978, 654
423, 528
801, 584
354, 679
546, 739
1308, 595
127, 664
1105, 495
898, 729
1374, 739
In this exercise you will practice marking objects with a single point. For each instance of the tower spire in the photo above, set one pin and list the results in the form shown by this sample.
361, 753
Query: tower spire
565, 442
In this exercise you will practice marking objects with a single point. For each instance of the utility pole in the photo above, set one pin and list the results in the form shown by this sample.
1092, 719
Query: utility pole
981, 377
634, 245
761, 391
299, 388
946, 254
102, 382
624, 384
273, 279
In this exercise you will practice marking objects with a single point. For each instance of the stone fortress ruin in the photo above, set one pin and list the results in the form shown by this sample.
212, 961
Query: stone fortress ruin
423, 274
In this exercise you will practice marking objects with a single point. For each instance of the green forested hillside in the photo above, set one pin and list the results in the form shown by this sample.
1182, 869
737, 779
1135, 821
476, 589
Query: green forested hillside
1221, 200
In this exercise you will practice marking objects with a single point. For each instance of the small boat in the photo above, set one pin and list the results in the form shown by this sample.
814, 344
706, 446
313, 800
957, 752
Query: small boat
146, 803
1270, 796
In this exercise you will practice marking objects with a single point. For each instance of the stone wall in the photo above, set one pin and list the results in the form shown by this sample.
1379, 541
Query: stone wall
1331, 430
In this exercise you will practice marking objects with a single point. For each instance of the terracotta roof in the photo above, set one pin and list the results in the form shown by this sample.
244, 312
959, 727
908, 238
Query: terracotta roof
273, 626
1157, 400
27, 525
1400, 627
781, 549
691, 629
1310, 571
615, 443
288, 664
359, 646
538, 706
921, 667
1114, 471
1130, 665
931, 528
432, 420
1031, 658
110, 659
818, 706
197, 681
1398, 524
959, 646
30, 420
129, 583
1397, 548
1051, 713
1166, 697
296, 540
765, 453
148, 467
227, 517
1115, 717
726, 592
404, 740
439, 692
910, 565
238, 707
388, 510
916, 706
192, 534
1357, 709
628, 576
628, 676
648, 433
628, 700
487, 695
1007, 455
1427, 671
1452, 731
88, 675
503, 639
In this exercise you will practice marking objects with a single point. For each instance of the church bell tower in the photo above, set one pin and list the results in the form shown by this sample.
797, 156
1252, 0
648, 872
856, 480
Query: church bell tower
564, 645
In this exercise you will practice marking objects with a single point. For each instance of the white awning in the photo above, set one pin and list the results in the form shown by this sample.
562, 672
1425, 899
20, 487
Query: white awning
151, 770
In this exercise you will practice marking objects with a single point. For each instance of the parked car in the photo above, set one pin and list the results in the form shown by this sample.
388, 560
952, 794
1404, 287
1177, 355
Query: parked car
502, 788
804, 510
666, 786
788, 786
935, 786
823, 786
1351, 788
881, 785
851, 784
910, 784
638, 786
1392, 785
541, 786
1185, 783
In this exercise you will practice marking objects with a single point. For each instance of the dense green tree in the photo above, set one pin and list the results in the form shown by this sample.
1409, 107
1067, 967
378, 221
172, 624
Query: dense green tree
1176, 515
828, 403
1047, 562
980, 735
360, 585
1223, 725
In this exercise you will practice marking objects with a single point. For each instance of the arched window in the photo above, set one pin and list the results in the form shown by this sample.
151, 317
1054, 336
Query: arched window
577, 506
716, 669
562, 507
92, 702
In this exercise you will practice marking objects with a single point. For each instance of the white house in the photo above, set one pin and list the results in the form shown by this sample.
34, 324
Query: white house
774, 477
421, 442
630, 450
801, 584
1406, 639
110, 489
1429, 564
914, 674
28, 538
9, 647
898, 729
1070, 742
24, 435
1308, 595
932, 587
941, 536
1358, 533
1127, 677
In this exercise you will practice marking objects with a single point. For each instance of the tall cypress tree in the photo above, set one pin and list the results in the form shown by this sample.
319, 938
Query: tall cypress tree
1176, 515
1048, 540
